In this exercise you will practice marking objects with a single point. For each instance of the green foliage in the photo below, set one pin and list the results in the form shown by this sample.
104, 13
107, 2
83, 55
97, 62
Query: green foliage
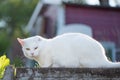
19, 10
4, 41
4, 61
17, 62
36, 65
16, 13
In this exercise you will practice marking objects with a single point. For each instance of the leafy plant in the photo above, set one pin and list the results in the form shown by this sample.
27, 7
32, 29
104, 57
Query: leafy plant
4, 62
16, 14
17, 62
4, 42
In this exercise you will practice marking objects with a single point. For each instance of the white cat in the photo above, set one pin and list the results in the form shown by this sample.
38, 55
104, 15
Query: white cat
72, 50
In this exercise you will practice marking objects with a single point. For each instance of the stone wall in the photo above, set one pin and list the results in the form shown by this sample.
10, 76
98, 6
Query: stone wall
67, 74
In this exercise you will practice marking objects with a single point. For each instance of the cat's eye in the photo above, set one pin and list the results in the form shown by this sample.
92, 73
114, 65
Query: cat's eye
36, 48
28, 49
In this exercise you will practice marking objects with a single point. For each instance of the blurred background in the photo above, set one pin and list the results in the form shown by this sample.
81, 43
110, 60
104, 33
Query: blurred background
99, 19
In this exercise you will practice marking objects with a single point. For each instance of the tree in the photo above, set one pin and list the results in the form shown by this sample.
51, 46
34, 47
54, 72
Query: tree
16, 14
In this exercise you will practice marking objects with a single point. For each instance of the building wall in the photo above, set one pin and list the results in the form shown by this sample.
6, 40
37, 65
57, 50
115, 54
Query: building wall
50, 21
105, 22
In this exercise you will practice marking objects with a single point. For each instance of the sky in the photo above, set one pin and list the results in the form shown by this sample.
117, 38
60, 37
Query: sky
2, 23
93, 2
111, 2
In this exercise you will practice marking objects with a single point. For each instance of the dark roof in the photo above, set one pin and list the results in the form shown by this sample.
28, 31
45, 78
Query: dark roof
90, 6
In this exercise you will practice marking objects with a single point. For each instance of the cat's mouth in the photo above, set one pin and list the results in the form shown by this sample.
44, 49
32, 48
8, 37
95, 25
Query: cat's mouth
33, 55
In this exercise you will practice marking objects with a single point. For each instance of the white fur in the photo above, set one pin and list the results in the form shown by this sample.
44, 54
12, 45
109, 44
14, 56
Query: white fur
73, 50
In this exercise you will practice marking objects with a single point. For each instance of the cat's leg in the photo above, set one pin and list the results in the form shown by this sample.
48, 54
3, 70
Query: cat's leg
46, 62
46, 65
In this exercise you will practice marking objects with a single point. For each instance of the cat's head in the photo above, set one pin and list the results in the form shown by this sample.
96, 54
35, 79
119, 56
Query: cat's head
30, 46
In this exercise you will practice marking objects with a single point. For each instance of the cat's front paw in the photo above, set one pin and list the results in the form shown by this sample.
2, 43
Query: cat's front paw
46, 66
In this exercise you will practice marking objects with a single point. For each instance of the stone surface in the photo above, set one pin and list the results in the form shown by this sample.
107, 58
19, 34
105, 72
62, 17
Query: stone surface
9, 73
68, 74
62, 74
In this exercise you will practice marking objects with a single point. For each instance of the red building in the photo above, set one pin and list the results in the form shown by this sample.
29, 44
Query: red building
104, 21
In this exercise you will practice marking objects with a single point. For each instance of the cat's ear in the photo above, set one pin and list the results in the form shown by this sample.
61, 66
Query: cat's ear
20, 41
